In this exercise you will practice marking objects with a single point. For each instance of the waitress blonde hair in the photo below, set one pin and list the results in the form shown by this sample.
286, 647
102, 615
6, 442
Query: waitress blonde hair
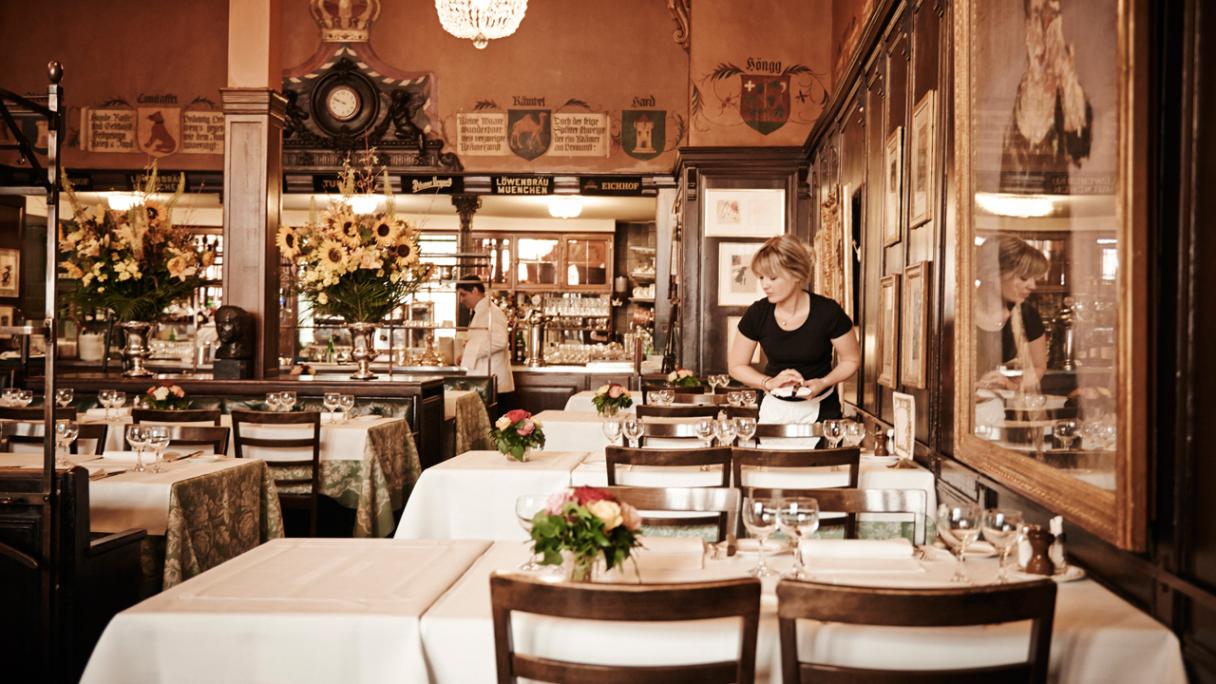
785, 254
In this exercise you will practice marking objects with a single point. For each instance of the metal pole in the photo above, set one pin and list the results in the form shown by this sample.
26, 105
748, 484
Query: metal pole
55, 134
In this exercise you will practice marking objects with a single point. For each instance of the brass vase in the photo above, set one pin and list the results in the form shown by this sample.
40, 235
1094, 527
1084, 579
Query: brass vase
363, 349
135, 351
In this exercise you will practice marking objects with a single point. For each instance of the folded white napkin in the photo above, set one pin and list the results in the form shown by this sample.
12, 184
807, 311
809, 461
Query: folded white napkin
101, 412
670, 553
855, 548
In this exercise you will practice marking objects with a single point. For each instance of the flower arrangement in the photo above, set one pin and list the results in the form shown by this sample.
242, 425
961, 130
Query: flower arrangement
586, 523
166, 396
515, 432
359, 267
682, 377
132, 263
611, 398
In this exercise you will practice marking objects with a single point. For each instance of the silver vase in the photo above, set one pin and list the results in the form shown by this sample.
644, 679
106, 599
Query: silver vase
363, 349
136, 350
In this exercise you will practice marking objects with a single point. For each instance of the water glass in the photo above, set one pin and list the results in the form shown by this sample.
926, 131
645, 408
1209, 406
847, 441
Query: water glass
854, 433
1066, 432
749, 398
833, 432
104, 397
745, 427
64, 397
959, 527
331, 401
724, 430
799, 519
137, 437
347, 402
274, 401
760, 519
1002, 528
526, 508
664, 397
705, 430
612, 428
287, 400
9, 397
632, 428
734, 398
25, 397
118, 399
66, 432
157, 439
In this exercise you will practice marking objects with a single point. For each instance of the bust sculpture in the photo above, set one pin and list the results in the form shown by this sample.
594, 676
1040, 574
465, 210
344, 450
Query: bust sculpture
234, 330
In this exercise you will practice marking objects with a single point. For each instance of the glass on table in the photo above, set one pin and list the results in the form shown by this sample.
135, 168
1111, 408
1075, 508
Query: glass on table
705, 430
833, 432
103, 398
631, 427
612, 428
274, 401
118, 399
1066, 431
288, 400
749, 398
1002, 528
66, 432
526, 508
64, 397
331, 401
157, 439
760, 520
959, 527
854, 433
347, 402
724, 430
734, 398
745, 427
137, 437
798, 518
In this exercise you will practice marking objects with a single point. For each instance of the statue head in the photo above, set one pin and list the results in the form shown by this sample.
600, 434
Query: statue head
234, 329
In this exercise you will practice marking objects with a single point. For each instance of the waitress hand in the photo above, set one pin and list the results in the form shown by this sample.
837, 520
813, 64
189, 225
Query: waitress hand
789, 376
816, 385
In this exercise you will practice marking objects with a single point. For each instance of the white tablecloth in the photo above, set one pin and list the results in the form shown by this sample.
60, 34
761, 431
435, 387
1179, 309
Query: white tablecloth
292, 610
473, 495
1097, 637
581, 401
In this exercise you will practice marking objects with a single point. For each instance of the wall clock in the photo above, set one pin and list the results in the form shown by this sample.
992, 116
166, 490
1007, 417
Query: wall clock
345, 104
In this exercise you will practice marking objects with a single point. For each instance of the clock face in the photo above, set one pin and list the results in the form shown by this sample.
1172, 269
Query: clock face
343, 103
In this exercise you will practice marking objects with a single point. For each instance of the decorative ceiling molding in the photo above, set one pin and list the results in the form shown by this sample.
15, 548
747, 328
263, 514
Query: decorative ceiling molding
344, 21
681, 11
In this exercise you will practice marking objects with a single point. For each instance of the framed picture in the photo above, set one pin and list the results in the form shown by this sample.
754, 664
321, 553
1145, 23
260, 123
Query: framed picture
6, 318
10, 273
904, 424
732, 326
914, 324
924, 130
893, 178
744, 213
888, 342
737, 285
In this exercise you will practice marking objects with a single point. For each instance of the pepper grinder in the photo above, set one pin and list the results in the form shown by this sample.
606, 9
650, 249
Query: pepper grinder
1040, 544
880, 441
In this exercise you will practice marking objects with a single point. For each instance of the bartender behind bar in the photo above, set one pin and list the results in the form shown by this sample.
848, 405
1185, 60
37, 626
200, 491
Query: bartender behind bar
485, 351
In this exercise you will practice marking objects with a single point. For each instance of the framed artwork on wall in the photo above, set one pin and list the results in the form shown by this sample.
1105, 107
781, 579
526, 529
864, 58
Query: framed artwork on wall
10, 272
893, 178
6, 319
904, 424
888, 341
756, 213
921, 185
914, 323
737, 285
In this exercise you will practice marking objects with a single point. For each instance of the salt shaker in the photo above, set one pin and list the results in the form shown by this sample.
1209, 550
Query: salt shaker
1056, 552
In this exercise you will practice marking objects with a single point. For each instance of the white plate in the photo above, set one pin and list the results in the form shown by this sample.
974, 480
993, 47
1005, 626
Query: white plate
749, 546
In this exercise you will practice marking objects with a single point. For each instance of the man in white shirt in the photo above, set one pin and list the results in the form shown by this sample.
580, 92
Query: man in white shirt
486, 351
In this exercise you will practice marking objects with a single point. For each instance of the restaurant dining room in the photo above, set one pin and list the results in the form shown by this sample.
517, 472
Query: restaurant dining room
637, 341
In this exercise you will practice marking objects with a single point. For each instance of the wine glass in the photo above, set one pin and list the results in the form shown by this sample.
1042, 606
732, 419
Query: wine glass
25, 397
348, 406
1066, 432
526, 508
331, 401
833, 432
118, 399
1002, 528
8, 397
749, 398
287, 399
274, 401
66, 432
632, 428
854, 433
612, 428
734, 399
103, 398
137, 437
64, 396
705, 430
724, 430
157, 438
799, 519
760, 520
959, 527
745, 426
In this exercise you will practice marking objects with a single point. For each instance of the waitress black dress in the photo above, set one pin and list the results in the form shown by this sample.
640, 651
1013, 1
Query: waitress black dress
807, 349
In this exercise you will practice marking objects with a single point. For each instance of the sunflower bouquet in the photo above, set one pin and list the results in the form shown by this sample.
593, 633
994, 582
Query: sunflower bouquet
357, 266
132, 263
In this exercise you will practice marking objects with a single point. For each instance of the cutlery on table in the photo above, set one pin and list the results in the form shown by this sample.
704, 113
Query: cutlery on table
177, 457
103, 474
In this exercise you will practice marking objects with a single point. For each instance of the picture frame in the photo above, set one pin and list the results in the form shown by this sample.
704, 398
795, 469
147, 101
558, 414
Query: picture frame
914, 325
921, 181
893, 178
888, 343
903, 424
10, 272
737, 285
6, 319
757, 213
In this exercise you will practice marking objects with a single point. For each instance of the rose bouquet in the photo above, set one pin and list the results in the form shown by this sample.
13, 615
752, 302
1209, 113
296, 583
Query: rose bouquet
166, 396
611, 398
516, 432
585, 522
682, 377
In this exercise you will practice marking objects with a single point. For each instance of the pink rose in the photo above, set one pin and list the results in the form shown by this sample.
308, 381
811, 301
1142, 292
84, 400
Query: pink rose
177, 391
526, 429
517, 415
586, 495
615, 391
556, 502
630, 518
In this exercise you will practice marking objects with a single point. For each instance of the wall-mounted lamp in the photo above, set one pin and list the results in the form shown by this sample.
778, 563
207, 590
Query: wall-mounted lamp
123, 201
565, 206
365, 204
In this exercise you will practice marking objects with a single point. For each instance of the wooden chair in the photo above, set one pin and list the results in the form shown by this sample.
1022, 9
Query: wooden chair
289, 500
191, 417
656, 411
724, 501
853, 501
21, 432
706, 458
789, 430
742, 411
59, 587
188, 436
722, 398
34, 414
738, 598
802, 458
648, 387
993, 604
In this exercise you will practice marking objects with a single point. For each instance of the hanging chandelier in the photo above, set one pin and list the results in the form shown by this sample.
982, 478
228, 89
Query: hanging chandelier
481, 20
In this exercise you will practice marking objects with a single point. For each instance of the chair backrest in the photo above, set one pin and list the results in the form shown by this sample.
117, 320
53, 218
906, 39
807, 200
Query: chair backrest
790, 430
713, 456
684, 434
32, 414
742, 411
32, 433
721, 500
700, 399
986, 605
656, 411
912, 502
193, 417
192, 436
742, 458
305, 439
738, 598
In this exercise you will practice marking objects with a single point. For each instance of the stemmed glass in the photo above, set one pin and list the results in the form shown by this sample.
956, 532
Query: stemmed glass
663, 397
25, 397
348, 405
612, 428
331, 401
760, 520
157, 439
1066, 432
724, 430
137, 437
287, 400
1002, 528
274, 401
745, 426
959, 527
734, 398
632, 428
526, 508
854, 433
8, 397
64, 396
799, 519
833, 432
103, 398
66, 432
705, 430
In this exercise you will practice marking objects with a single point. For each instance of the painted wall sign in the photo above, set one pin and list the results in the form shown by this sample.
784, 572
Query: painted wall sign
521, 185
432, 184
481, 134
108, 130
529, 132
580, 135
643, 132
202, 132
610, 185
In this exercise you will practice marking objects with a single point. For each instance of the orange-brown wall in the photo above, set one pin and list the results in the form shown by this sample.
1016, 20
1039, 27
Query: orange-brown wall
849, 19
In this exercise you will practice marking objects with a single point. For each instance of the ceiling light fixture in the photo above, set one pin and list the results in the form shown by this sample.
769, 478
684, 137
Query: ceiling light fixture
1019, 206
565, 206
481, 20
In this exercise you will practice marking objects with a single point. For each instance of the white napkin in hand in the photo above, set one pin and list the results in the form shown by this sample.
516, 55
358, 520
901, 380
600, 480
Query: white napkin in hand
670, 553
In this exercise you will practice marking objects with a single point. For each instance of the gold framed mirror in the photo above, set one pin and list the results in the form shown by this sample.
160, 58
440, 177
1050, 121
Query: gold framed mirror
1051, 342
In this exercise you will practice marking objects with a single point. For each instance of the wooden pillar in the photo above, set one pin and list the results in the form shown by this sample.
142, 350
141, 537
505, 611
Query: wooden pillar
253, 144
466, 206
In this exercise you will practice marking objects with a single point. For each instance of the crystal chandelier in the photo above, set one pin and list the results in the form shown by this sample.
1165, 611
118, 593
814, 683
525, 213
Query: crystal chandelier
481, 20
